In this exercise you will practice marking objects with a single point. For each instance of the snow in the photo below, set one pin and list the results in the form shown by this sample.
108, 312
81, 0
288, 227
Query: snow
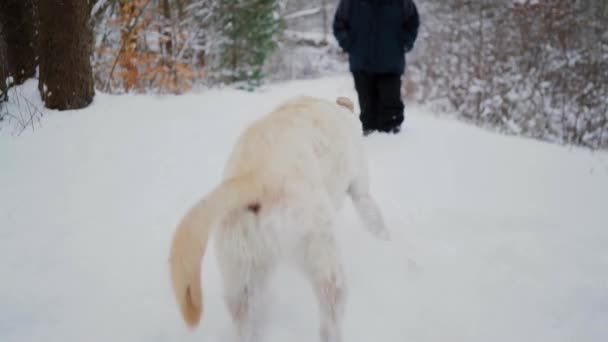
98, 6
525, 2
314, 37
303, 13
495, 238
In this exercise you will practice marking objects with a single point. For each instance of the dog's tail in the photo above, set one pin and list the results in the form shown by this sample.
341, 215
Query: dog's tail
192, 234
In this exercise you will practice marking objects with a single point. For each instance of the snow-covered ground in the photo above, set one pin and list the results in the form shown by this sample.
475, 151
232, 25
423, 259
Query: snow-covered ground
495, 238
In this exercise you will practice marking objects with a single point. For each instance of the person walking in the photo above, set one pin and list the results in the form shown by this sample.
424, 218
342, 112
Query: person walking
376, 35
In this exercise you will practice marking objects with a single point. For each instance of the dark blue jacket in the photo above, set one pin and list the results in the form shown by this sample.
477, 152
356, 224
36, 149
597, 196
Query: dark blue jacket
376, 34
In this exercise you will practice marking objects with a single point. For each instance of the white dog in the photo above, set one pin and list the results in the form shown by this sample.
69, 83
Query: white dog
286, 179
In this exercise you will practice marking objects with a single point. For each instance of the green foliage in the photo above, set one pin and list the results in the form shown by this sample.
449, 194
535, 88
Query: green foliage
249, 30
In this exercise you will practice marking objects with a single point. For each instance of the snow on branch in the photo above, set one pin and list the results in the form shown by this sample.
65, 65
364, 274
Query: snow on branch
98, 6
303, 13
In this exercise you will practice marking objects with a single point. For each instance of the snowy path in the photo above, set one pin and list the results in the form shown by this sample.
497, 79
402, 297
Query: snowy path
495, 238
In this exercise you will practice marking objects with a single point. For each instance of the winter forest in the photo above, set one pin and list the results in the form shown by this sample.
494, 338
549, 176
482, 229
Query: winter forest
523, 67
117, 116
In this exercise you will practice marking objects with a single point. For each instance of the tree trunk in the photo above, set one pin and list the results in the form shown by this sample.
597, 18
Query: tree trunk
3, 70
167, 35
66, 76
17, 18
325, 20
129, 17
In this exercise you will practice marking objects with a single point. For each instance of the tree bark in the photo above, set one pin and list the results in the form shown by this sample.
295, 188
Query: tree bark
66, 76
325, 20
166, 33
3, 69
17, 18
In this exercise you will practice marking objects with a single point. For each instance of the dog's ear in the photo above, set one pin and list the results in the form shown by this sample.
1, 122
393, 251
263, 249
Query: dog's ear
346, 103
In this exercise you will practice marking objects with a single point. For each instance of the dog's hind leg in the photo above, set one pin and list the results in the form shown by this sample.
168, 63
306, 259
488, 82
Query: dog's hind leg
244, 288
320, 262
243, 299
245, 270
366, 206
324, 270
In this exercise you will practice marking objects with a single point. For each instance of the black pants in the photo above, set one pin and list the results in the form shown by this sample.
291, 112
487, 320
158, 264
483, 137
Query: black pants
380, 101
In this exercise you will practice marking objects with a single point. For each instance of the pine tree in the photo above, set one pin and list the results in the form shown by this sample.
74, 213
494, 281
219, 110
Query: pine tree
249, 30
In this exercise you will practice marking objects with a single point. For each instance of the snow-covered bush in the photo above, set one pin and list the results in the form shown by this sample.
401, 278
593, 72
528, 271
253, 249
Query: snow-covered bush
171, 45
150, 45
533, 68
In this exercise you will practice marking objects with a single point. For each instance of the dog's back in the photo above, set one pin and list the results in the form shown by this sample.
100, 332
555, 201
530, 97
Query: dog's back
305, 141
